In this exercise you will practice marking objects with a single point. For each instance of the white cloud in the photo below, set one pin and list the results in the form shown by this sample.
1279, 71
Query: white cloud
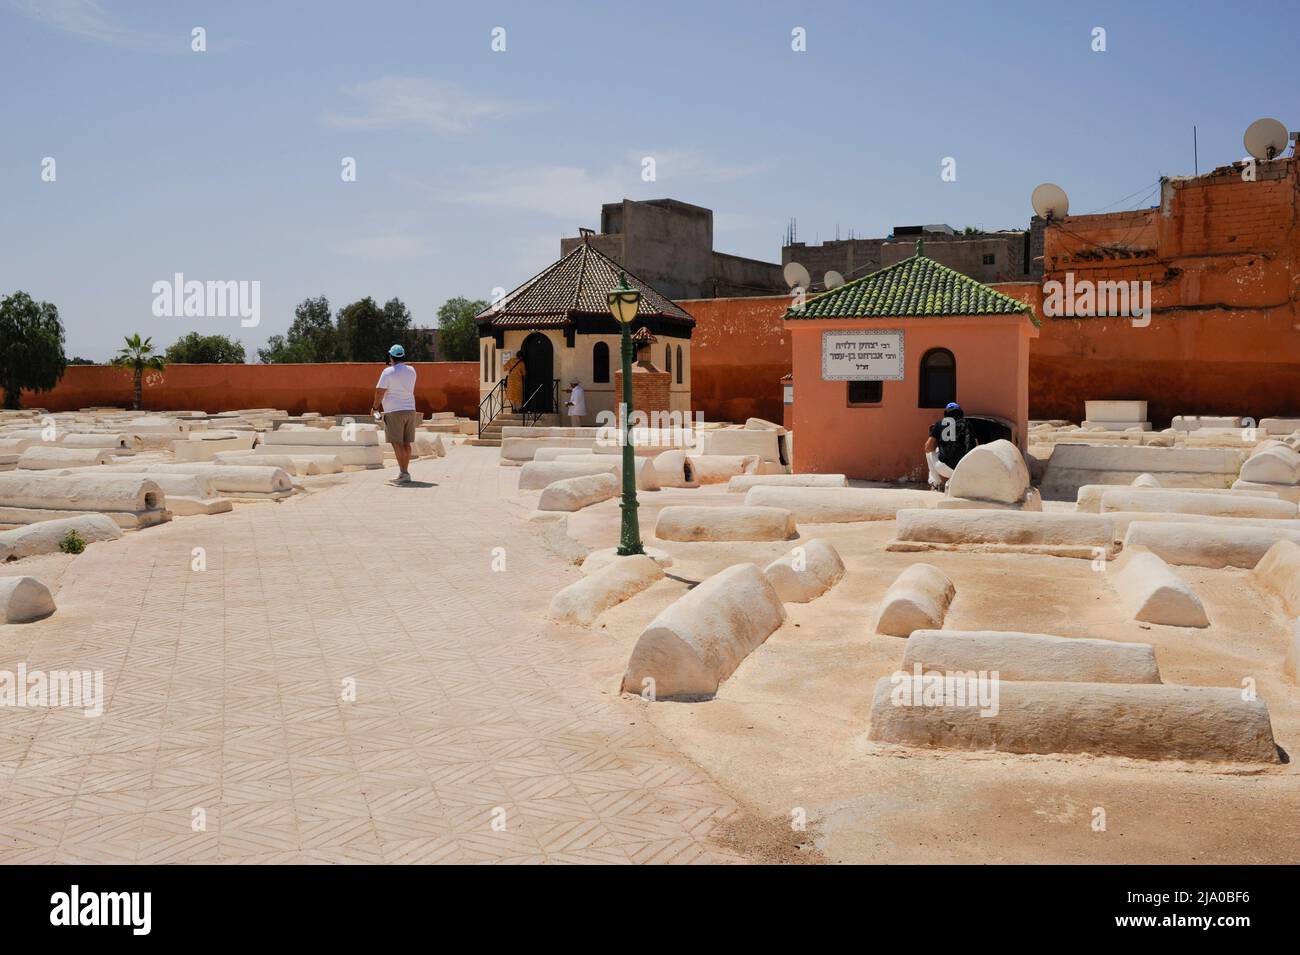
403, 101
387, 248
564, 192
684, 166
575, 193
90, 21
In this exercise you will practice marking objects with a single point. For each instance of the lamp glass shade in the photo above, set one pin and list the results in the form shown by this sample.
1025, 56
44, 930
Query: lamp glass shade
623, 303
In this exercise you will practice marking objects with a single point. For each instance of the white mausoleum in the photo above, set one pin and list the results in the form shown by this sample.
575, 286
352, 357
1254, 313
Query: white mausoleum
561, 323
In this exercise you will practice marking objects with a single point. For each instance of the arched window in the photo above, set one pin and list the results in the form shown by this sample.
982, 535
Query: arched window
485, 364
679, 364
938, 378
668, 359
492, 365
600, 363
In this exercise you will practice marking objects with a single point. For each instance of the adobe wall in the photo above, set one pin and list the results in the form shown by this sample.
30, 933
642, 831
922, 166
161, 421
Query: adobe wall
335, 388
1223, 257
739, 353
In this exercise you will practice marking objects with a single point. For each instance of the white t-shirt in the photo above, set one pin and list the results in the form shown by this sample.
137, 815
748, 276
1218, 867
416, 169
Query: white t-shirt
399, 383
579, 399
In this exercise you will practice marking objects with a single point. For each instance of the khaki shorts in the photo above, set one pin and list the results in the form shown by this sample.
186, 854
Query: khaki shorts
399, 426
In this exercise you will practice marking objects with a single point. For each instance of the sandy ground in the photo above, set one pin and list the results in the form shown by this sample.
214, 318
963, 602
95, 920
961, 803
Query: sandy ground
47, 568
787, 733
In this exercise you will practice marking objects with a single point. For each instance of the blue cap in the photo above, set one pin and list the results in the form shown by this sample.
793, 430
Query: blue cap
397, 351
952, 406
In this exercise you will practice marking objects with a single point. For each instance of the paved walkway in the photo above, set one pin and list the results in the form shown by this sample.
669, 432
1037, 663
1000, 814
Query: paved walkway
224, 691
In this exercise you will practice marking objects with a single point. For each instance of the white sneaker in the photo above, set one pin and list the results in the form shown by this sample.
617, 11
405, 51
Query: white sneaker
402, 478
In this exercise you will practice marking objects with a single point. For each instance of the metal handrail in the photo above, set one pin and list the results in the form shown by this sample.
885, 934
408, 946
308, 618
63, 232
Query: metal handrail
498, 393
537, 415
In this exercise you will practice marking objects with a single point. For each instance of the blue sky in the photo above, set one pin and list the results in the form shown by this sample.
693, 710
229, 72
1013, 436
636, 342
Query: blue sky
471, 164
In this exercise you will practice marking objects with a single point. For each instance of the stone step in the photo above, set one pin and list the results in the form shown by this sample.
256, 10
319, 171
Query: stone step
483, 442
492, 431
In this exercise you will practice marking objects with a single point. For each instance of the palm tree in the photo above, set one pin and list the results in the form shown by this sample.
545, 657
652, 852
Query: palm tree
138, 356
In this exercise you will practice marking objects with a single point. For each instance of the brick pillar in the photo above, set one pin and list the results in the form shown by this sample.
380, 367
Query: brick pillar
650, 389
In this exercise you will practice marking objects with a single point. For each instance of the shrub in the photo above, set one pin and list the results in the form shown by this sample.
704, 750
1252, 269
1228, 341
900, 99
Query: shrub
72, 543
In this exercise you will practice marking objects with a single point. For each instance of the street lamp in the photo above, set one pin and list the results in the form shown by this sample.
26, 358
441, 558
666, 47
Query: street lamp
623, 304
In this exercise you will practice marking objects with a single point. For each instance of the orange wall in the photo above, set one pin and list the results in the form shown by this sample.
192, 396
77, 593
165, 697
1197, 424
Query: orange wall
337, 388
739, 352
1223, 257
886, 443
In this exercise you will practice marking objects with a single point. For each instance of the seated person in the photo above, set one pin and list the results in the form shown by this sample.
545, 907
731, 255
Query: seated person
951, 437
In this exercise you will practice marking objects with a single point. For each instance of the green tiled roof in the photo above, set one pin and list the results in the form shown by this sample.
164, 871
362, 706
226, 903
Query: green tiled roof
915, 287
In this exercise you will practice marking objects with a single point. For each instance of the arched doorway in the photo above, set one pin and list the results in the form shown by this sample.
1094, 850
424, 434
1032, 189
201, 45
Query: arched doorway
938, 378
539, 367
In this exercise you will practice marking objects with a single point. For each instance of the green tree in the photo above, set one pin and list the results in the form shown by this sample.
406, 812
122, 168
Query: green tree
138, 357
457, 330
196, 349
366, 331
277, 351
31, 347
78, 360
359, 331
312, 336
418, 342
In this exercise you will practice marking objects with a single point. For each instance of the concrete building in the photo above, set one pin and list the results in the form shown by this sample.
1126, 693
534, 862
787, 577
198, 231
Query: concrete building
669, 244
1004, 256
559, 323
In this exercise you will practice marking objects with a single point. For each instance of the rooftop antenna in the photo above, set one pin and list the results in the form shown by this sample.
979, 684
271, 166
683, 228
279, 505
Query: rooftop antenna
832, 279
796, 276
1265, 138
1196, 159
1050, 201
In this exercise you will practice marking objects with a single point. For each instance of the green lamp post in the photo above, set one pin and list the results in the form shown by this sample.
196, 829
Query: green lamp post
623, 304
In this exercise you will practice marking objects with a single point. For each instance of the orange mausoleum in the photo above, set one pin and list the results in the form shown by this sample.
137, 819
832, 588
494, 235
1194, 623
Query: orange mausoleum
876, 360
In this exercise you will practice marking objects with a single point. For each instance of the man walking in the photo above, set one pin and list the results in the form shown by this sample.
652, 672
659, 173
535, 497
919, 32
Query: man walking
577, 403
395, 394
950, 439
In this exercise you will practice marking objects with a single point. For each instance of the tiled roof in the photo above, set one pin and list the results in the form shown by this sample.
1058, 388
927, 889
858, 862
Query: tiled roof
574, 285
915, 287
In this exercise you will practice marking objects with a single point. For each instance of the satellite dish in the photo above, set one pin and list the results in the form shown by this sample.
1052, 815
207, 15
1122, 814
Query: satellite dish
832, 279
796, 276
1265, 138
1050, 201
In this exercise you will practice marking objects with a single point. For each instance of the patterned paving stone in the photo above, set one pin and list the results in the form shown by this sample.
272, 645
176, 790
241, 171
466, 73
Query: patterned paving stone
347, 682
